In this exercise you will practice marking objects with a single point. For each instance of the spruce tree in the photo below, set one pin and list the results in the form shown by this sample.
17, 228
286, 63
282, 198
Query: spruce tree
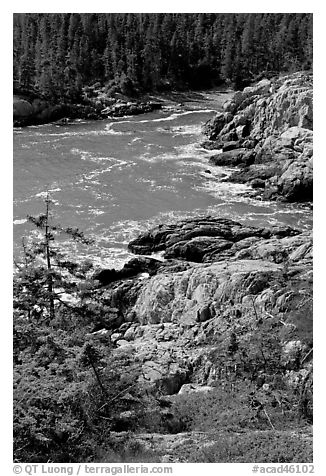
45, 273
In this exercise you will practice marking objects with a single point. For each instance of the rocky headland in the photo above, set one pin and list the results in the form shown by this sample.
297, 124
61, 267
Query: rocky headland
215, 277
217, 313
265, 132
226, 306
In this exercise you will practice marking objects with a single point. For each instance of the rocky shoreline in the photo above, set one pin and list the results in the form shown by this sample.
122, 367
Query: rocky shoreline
219, 285
266, 132
28, 111
29, 108
210, 269
226, 306
211, 321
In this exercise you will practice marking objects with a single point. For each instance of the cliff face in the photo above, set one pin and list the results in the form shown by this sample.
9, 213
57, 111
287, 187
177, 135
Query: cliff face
267, 131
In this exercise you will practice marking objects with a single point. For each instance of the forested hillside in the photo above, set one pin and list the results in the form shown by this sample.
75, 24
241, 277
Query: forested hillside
58, 54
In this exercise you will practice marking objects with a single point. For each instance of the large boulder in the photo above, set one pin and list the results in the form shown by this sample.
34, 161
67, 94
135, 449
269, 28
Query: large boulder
133, 267
33, 110
260, 172
196, 248
201, 238
296, 182
213, 128
233, 157
22, 108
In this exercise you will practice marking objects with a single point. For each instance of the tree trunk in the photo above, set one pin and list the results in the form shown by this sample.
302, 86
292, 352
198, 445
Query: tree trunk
48, 260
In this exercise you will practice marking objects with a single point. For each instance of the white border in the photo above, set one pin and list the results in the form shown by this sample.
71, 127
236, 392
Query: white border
6, 197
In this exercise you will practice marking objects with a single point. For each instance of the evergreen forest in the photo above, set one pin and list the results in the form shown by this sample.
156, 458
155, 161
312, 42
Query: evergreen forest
57, 54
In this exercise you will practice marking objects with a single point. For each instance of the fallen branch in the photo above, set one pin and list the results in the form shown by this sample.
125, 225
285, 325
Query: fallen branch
116, 396
269, 419
307, 355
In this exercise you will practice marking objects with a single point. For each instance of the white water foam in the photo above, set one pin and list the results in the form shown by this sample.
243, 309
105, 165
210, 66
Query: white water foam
172, 117
88, 156
95, 211
192, 129
112, 132
45, 195
103, 132
20, 221
147, 157
150, 182
224, 190
95, 173
164, 130
187, 151
190, 150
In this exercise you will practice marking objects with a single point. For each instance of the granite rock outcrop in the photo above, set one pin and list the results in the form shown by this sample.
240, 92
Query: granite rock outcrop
235, 279
270, 129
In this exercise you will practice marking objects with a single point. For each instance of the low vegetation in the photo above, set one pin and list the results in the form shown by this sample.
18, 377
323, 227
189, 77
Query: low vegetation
77, 399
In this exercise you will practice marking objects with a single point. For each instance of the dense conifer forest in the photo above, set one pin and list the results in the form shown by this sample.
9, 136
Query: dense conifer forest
58, 54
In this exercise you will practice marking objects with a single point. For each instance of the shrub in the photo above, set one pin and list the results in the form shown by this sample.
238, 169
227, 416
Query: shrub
238, 405
256, 447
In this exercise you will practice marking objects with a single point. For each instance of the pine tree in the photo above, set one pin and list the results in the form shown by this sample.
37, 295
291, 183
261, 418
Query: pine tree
26, 67
248, 46
45, 272
229, 41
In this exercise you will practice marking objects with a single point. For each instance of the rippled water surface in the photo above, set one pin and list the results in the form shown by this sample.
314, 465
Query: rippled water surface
115, 178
